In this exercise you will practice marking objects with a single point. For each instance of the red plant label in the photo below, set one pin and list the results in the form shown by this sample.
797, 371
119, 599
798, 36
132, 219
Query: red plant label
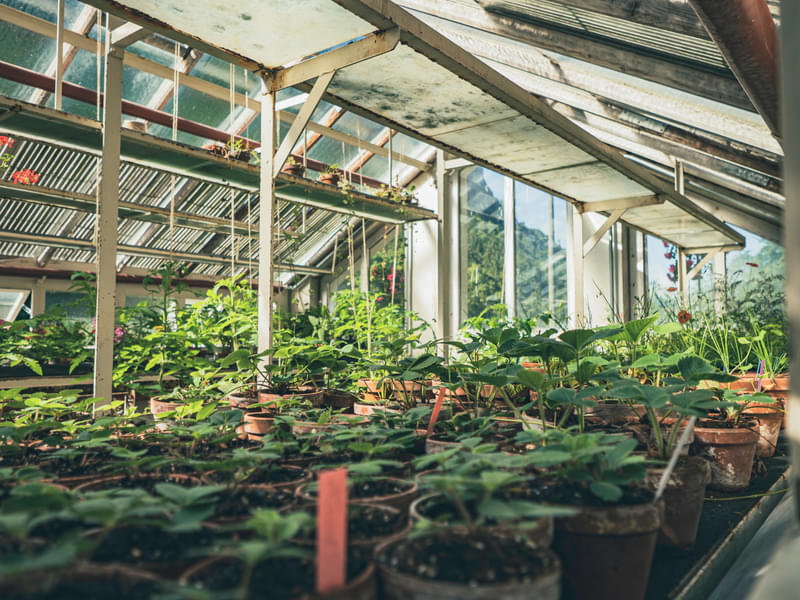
436, 409
331, 530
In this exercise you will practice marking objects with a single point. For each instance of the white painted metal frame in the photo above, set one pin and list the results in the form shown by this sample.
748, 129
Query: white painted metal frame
266, 210
510, 248
108, 216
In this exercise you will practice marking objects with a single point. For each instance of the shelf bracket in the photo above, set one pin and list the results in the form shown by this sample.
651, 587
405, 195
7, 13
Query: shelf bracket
367, 47
607, 224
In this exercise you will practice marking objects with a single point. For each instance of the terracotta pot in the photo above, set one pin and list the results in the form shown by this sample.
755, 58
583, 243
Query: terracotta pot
769, 419
329, 178
778, 388
366, 409
46, 584
534, 366
338, 399
433, 446
666, 430
606, 413
416, 391
395, 585
296, 170
159, 407
363, 587
683, 499
607, 552
730, 452
540, 534
400, 501
104, 482
258, 423
302, 427
242, 401
267, 397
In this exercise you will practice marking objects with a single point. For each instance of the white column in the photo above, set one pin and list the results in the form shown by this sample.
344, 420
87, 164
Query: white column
266, 222
575, 292
720, 278
107, 228
59, 54
510, 247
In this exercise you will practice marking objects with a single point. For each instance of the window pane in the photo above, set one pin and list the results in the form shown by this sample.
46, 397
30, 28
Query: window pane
541, 256
485, 248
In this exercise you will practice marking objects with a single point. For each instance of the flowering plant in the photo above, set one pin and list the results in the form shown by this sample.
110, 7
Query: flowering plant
25, 177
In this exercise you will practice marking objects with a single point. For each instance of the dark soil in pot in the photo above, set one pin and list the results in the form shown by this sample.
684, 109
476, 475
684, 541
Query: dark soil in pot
281, 578
455, 565
397, 493
88, 581
145, 481
438, 508
153, 548
279, 476
237, 504
367, 524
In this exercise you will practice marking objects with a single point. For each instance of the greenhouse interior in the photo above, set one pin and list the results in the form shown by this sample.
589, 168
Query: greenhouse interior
401, 300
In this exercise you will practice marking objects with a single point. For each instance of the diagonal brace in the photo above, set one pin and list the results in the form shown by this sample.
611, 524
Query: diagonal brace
607, 224
369, 46
127, 34
302, 119
699, 266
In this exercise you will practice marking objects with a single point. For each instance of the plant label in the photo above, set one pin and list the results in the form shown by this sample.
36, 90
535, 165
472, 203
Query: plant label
331, 530
436, 409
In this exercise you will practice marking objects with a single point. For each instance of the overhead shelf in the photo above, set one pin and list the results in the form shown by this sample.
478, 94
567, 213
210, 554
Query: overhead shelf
483, 116
36, 122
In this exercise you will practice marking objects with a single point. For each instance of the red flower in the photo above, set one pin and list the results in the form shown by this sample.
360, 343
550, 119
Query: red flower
381, 298
684, 317
672, 268
6, 141
750, 264
666, 243
26, 177
672, 289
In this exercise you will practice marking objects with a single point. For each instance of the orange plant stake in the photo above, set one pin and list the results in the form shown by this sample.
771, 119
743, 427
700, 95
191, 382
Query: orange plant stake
331, 530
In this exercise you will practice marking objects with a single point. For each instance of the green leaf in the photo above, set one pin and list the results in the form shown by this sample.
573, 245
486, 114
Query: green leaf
606, 491
530, 379
636, 329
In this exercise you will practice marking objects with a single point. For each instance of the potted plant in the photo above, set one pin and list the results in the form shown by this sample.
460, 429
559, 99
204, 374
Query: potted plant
607, 547
292, 167
331, 175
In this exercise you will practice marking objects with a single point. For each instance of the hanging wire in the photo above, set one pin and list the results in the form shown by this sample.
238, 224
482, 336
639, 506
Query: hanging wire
249, 236
360, 163
394, 260
232, 144
365, 257
175, 89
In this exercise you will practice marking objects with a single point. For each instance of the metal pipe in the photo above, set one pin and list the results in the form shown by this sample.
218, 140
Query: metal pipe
748, 39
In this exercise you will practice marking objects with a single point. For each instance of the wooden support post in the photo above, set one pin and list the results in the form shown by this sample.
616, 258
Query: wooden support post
107, 230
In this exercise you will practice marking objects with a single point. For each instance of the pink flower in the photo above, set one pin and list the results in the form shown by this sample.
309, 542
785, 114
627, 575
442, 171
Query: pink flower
381, 298
118, 333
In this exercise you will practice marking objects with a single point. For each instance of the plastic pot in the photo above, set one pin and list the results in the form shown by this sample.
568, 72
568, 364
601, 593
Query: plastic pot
395, 585
400, 500
683, 499
730, 452
363, 587
541, 534
607, 551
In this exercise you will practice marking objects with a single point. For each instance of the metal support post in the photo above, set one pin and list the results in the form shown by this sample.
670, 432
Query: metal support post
107, 229
510, 242
266, 219
683, 279
575, 293
443, 251
59, 53
720, 271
